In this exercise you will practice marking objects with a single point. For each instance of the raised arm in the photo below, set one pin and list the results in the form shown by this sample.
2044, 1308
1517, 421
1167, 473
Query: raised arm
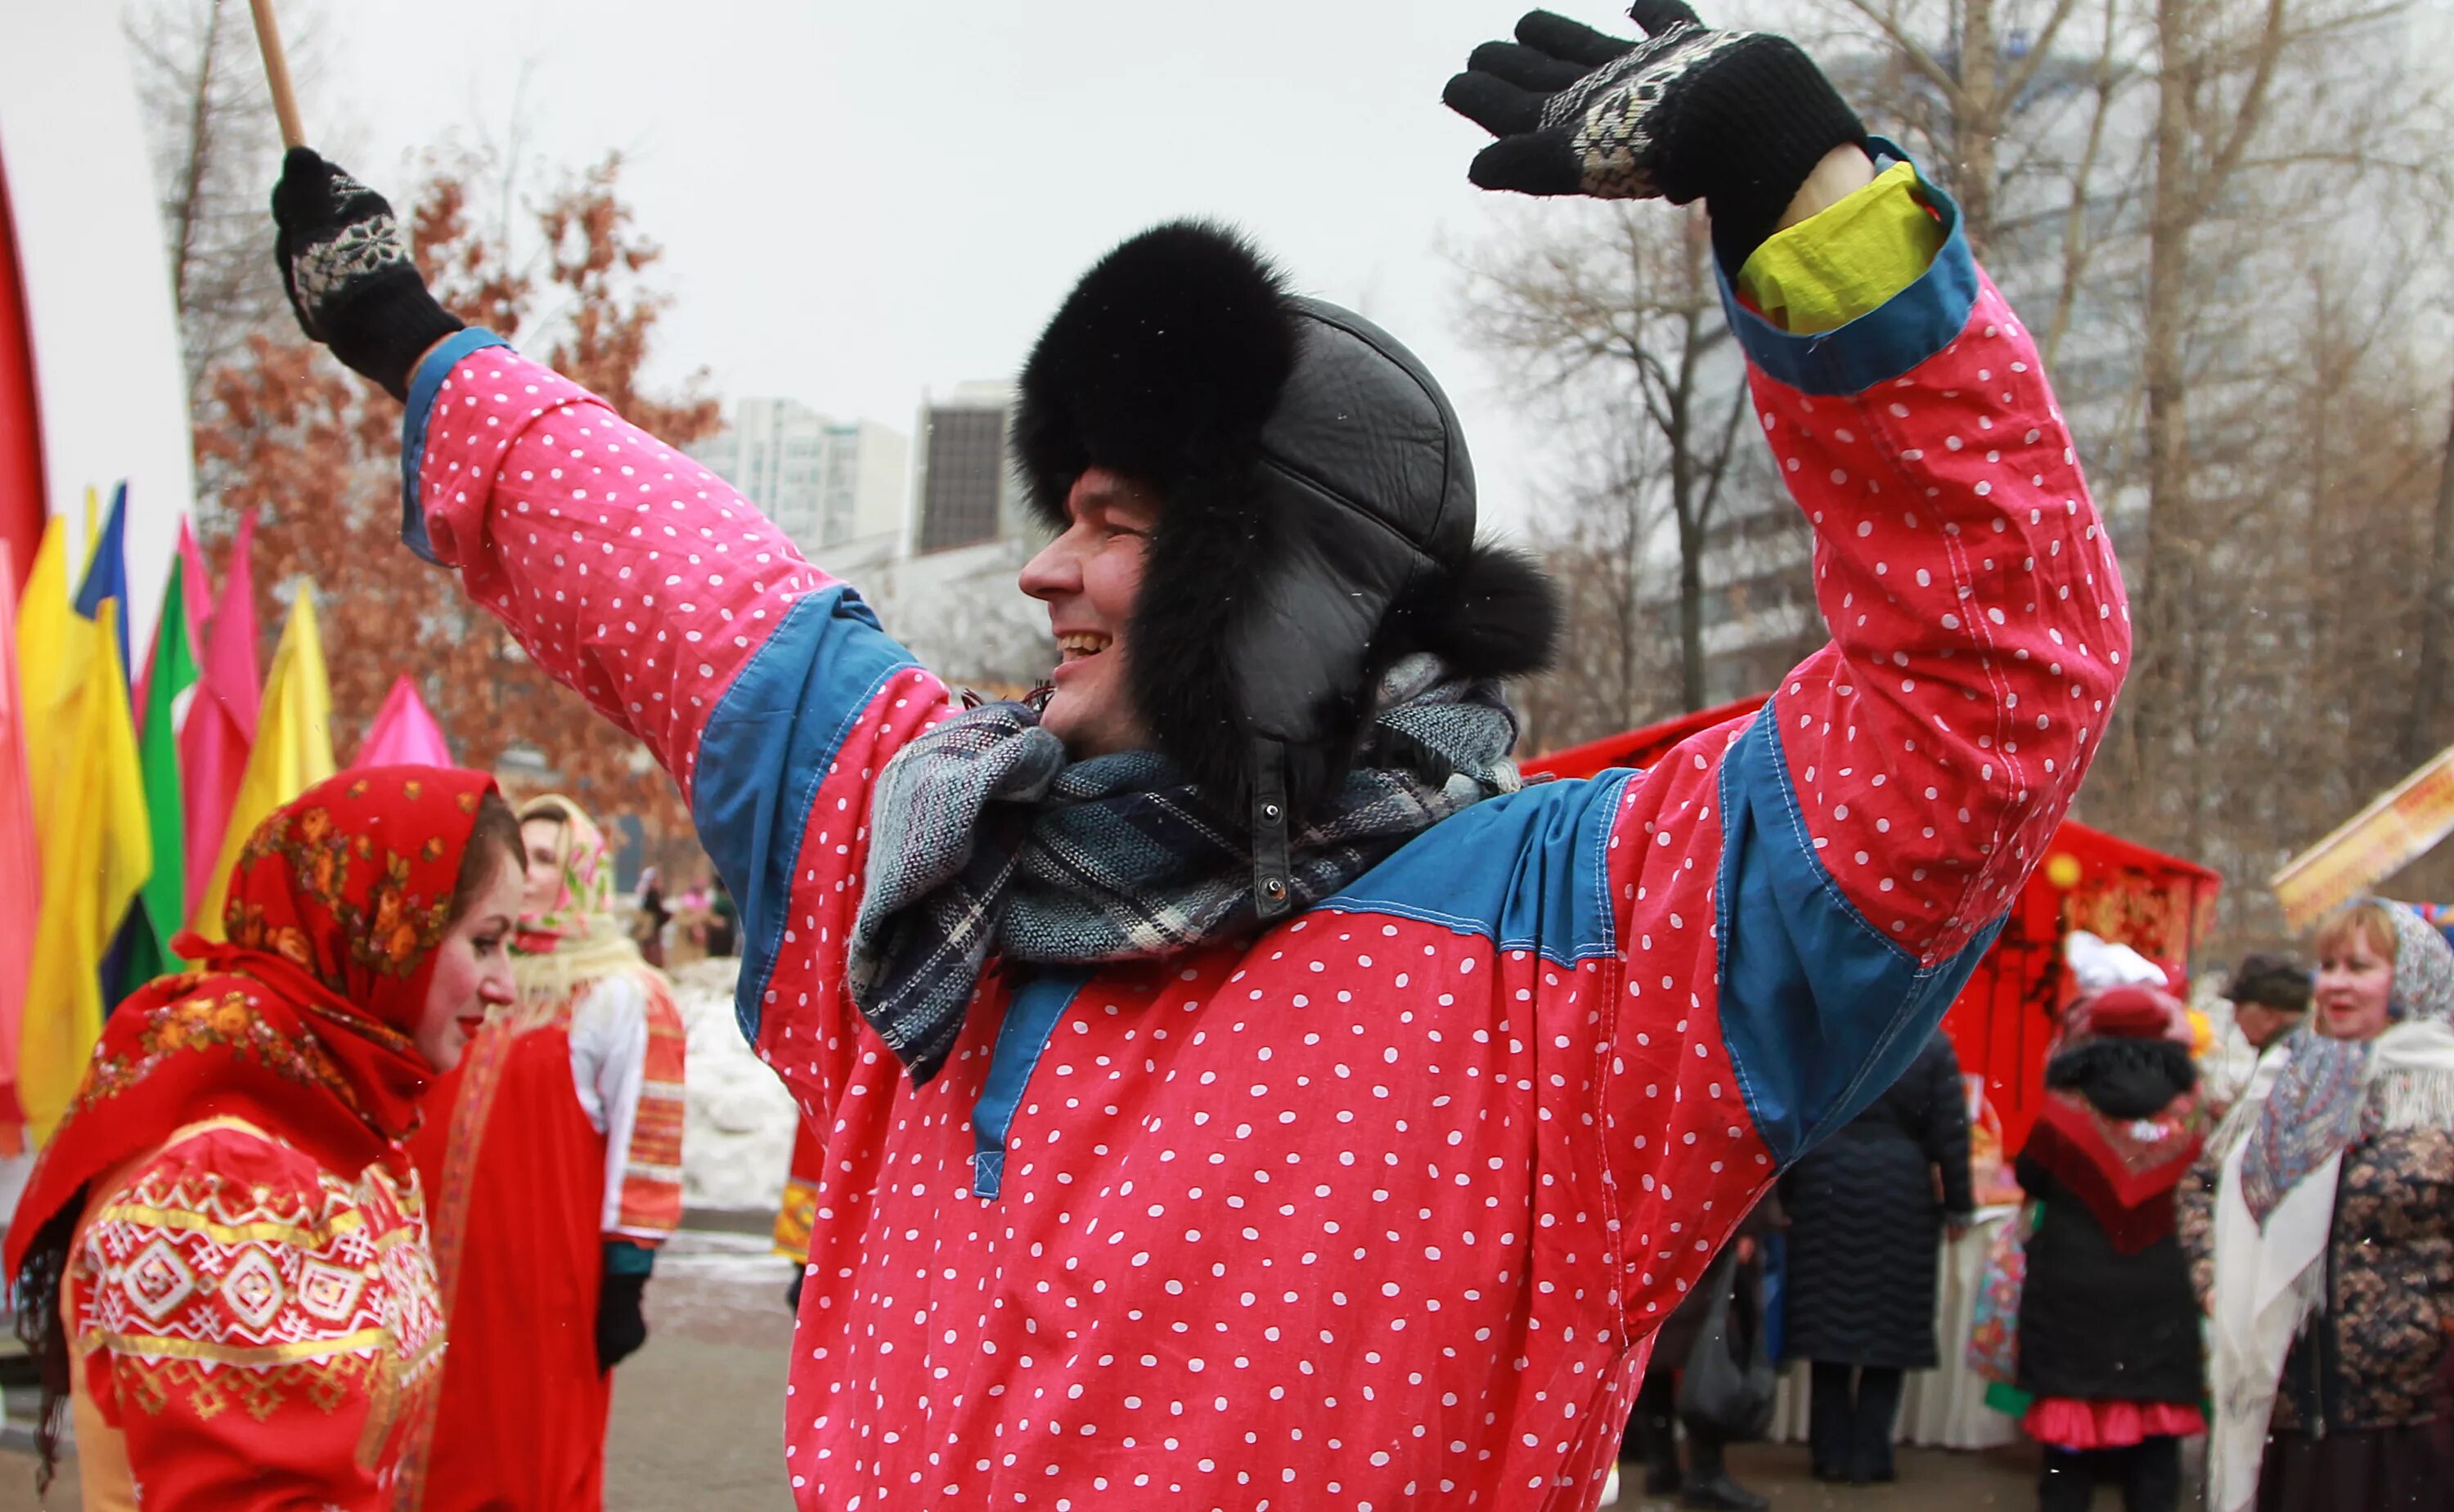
1801, 894
639, 578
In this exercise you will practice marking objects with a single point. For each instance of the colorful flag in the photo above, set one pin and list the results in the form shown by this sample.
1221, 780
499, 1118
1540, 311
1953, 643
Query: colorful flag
21, 865
404, 734
106, 577
162, 905
220, 729
97, 849
43, 628
195, 585
196, 597
294, 745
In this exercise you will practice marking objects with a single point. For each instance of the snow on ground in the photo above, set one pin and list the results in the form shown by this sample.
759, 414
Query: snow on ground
738, 1137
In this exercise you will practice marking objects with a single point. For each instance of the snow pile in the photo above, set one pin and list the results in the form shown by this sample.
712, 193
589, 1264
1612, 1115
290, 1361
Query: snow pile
738, 1137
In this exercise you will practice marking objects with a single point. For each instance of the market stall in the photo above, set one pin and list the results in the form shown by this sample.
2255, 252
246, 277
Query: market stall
2002, 1026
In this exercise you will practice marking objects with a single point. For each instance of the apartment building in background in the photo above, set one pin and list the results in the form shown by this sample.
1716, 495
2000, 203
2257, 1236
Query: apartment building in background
826, 483
963, 491
932, 535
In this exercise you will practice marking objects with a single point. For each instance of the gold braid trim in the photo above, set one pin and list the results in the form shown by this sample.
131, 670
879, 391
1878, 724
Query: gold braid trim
239, 1356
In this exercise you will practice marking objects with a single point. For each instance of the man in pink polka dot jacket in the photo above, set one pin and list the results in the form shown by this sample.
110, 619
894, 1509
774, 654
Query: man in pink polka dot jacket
1236, 1090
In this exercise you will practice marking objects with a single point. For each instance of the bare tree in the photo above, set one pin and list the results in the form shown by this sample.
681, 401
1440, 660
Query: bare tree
1616, 669
1618, 318
215, 146
1963, 76
2421, 733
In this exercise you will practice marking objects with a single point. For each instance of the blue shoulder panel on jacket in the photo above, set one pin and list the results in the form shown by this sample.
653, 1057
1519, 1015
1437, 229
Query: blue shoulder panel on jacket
1885, 342
1527, 870
766, 749
423, 386
1820, 1010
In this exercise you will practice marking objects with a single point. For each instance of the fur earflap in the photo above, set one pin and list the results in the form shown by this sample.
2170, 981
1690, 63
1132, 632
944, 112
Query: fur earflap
1162, 364
1493, 614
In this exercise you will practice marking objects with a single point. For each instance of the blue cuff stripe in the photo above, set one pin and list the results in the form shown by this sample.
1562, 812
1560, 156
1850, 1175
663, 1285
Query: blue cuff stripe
1882, 343
422, 390
764, 753
1031, 1018
1820, 1010
623, 1258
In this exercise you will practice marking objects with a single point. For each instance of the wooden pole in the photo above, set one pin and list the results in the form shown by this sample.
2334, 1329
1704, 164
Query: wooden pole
276, 73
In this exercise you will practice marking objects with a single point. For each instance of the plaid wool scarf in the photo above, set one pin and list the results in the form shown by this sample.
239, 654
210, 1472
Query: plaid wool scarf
984, 839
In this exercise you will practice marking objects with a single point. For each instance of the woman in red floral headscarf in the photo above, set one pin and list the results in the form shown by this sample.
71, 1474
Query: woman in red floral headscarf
221, 1258
552, 1157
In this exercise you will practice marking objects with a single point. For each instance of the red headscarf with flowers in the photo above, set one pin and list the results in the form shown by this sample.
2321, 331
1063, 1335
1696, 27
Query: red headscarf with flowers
301, 1020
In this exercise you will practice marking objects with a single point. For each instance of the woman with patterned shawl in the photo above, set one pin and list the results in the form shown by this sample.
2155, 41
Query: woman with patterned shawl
2108, 1330
553, 1158
220, 1262
2321, 1225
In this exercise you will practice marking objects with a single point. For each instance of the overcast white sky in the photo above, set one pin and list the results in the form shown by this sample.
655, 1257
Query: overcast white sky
861, 200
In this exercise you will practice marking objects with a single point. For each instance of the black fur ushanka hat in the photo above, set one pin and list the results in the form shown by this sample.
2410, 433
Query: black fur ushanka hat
1317, 521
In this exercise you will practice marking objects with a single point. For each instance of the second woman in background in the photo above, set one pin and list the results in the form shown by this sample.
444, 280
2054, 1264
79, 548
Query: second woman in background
2319, 1223
552, 1162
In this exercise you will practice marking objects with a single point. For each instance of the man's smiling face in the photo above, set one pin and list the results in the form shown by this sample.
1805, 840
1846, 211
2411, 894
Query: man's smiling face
1088, 577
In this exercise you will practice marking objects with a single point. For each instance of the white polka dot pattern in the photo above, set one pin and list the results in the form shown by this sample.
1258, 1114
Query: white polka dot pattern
1980, 630
1369, 1213
625, 567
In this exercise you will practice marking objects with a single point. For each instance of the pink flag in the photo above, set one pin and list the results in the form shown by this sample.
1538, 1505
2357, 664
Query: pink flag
220, 729
21, 870
196, 592
404, 734
195, 585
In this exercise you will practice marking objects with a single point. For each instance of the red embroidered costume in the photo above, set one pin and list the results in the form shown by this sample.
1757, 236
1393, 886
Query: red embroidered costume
226, 1221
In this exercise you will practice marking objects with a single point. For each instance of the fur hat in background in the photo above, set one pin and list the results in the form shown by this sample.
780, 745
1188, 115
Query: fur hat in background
1317, 514
2271, 981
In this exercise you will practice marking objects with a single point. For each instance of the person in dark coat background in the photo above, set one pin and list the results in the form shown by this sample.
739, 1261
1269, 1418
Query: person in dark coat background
1866, 1211
2108, 1325
1707, 1484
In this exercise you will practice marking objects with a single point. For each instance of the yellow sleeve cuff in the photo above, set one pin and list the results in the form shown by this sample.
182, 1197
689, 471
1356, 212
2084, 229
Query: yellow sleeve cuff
1845, 260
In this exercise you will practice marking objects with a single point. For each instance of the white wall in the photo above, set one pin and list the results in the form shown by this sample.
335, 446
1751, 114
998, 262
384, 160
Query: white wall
101, 322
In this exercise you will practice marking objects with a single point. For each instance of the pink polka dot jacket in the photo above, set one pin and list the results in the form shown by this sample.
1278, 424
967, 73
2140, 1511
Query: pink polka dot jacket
1379, 1209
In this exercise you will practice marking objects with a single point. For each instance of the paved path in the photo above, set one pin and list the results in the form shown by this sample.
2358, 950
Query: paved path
697, 1414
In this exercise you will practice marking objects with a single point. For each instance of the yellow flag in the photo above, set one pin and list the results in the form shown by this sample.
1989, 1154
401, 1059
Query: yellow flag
293, 746
97, 850
45, 625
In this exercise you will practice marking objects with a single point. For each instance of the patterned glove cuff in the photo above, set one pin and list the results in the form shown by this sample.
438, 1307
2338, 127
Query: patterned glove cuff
1748, 132
382, 326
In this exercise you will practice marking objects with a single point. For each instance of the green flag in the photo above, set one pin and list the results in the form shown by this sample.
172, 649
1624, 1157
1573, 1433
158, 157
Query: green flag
162, 905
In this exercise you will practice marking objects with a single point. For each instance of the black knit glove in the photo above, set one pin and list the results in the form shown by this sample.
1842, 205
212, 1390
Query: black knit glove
349, 274
1737, 118
621, 1319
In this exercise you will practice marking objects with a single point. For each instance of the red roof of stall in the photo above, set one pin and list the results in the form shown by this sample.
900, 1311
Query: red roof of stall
2002, 1022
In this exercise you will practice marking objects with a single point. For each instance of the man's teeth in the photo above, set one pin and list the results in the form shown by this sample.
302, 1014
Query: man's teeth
1082, 645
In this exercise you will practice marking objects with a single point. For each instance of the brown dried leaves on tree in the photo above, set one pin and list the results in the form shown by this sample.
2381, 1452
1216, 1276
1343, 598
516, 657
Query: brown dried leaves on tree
288, 432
